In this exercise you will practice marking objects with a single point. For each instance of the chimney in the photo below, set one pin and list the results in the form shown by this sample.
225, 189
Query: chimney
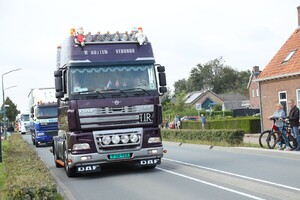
256, 68
298, 8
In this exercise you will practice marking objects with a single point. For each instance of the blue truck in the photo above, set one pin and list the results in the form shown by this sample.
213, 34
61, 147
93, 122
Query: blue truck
43, 115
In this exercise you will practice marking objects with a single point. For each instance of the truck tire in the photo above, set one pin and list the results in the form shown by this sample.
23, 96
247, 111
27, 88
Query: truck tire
36, 144
70, 171
57, 165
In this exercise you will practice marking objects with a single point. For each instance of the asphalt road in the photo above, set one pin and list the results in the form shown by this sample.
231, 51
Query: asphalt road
190, 172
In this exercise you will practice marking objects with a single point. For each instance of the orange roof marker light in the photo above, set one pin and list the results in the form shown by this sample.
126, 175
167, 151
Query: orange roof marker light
135, 36
72, 31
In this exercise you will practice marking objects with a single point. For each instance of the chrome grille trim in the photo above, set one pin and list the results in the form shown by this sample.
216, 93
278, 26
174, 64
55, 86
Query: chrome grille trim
109, 119
98, 135
84, 112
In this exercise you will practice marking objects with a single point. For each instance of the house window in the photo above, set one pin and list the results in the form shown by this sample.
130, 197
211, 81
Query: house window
298, 97
257, 93
289, 56
252, 92
283, 100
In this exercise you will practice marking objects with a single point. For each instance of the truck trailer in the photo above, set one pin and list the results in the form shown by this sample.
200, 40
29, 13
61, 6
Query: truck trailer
43, 115
109, 111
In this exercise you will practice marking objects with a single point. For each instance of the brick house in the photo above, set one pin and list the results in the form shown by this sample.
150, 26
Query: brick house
280, 80
253, 88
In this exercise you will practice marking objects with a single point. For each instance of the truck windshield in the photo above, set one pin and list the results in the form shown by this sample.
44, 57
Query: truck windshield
25, 117
46, 112
107, 78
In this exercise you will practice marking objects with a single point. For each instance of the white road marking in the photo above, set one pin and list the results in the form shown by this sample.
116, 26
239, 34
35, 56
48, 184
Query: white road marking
211, 184
236, 175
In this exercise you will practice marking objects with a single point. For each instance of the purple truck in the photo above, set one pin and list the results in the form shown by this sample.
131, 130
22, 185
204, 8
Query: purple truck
109, 111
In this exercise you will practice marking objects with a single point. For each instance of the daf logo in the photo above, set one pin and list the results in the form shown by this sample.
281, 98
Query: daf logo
116, 102
85, 110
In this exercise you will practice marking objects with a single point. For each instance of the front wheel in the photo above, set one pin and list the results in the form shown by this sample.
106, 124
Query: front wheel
70, 171
263, 138
272, 140
55, 156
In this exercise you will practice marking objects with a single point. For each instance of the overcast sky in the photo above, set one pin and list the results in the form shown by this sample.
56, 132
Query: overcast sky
183, 34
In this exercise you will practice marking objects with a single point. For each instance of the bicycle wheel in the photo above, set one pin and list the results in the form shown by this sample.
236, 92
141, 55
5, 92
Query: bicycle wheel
292, 142
263, 138
272, 140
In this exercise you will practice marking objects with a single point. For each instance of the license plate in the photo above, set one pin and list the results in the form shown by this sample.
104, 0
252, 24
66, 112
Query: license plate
119, 156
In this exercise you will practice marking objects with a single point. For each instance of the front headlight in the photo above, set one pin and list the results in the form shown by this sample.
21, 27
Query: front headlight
81, 146
115, 139
154, 140
124, 139
134, 138
40, 134
106, 140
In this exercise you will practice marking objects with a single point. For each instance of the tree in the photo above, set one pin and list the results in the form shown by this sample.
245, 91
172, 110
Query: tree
214, 75
179, 104
180, 85
166, 99
11, 110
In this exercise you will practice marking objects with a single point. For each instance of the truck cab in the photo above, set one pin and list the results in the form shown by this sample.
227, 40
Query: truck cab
109, 109
23, 123
43, 109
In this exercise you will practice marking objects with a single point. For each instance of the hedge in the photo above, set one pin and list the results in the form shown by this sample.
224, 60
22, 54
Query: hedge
231, 137
249, 125
26, 175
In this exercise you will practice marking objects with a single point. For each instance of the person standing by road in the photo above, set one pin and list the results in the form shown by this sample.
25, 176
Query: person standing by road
278, 117
203, 120
294, 121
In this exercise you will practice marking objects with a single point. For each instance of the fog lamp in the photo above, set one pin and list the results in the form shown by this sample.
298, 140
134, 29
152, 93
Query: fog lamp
83, 158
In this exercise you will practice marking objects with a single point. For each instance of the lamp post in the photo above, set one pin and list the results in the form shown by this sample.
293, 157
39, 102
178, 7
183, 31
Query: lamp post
4, 111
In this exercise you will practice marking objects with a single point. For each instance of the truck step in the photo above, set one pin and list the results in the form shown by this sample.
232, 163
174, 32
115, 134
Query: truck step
60, 162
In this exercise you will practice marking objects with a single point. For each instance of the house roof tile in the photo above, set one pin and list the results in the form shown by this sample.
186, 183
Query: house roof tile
276, 67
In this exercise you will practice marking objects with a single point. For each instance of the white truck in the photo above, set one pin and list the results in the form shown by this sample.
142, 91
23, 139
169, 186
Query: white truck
23, 122
43, 115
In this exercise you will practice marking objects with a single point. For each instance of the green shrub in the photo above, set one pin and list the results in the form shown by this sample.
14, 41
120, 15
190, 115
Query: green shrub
231, 137
248, 124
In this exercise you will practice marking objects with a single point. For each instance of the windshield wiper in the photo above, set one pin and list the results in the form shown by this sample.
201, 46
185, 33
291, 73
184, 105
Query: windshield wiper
138, 88
89, 92
114, 90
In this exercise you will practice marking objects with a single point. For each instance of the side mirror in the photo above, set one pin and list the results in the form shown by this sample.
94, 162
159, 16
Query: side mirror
59, 94
162, 79
162, 90
58, 84
161, 68
57, 73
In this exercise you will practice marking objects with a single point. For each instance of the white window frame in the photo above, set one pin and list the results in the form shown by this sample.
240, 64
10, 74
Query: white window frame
283, 100
257, 92
298, 97
253, 93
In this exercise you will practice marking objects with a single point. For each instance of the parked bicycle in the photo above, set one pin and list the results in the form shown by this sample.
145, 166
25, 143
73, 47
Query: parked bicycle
265, 136
277, 137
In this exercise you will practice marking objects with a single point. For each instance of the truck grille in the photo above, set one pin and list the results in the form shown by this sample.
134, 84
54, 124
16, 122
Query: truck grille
116, 116
118, 139
50, 126
52, 133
